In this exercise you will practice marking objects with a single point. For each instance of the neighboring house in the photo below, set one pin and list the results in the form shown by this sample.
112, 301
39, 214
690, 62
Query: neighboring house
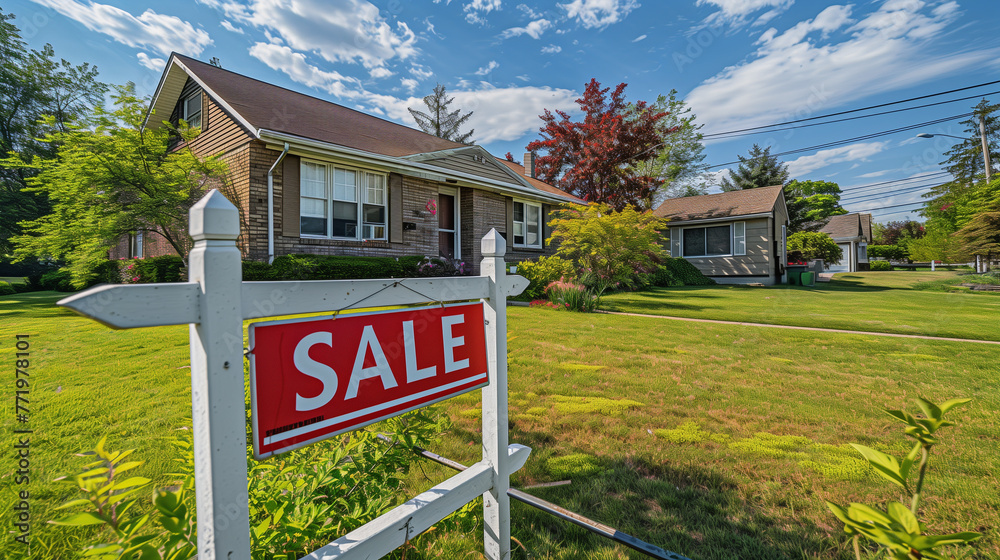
316, 177
853, 233
735, 237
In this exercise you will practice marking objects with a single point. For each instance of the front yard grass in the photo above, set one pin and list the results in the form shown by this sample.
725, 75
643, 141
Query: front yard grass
714, 441
891, 302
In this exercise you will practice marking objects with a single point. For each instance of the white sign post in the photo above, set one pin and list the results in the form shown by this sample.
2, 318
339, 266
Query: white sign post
215, 302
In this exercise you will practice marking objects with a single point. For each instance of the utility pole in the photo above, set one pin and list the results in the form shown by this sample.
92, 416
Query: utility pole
986, 146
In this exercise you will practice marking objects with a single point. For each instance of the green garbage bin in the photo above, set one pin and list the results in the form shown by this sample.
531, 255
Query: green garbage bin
794, 272
807, 278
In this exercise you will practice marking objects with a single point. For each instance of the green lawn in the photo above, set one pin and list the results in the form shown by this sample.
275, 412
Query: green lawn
715, 441
892, 302
12, 279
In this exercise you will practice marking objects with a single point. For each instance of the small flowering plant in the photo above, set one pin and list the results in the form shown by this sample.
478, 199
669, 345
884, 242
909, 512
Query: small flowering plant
568, 295
131, 272
432, 207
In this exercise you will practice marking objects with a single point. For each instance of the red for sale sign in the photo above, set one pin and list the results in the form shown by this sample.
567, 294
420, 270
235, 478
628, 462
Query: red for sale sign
314, 378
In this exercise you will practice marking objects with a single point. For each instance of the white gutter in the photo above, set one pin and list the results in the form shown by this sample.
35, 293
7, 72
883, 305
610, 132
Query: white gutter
270, 206
407, 166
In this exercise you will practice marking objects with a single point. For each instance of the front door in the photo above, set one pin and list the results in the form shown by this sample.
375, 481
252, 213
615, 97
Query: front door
448, 225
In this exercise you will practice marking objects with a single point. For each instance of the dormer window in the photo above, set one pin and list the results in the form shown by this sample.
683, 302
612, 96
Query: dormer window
191, 110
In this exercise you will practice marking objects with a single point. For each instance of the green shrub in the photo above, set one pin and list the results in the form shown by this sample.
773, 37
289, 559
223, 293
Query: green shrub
880, 265
433, 267
664, 277
24, 287
319, 267
815, 245
686, 272
57, 281
543, 272
257, 271
107, 273
6, 289
888, 252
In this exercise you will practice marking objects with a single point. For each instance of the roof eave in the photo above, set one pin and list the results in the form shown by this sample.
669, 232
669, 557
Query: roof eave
674, 222
405, 166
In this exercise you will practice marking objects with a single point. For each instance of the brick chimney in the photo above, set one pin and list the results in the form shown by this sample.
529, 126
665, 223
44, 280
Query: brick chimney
529, 164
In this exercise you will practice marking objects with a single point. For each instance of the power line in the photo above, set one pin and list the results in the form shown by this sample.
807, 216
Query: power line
735, 134
864, 108
875, 196
907, 179
887, 207
850, 140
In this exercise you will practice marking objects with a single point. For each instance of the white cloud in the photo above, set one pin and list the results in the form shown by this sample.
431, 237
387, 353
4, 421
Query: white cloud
380, 72
800, 71
351, 31
736, 13
599, 13
639, 38
476, 10
230, 27
551, 49
155, 64
874, 174
529, 11
533, 29
284, 59
493, 65
151, 30
498, 113
420, 72
853, 152
410, 84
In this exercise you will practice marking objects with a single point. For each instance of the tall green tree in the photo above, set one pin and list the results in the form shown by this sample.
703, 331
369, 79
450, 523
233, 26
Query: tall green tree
441, 122
33, 84
678, 160
758, 169
811, 202
110, 179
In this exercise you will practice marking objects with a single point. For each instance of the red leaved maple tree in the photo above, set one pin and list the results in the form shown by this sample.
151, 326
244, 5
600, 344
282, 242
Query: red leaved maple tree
592, 158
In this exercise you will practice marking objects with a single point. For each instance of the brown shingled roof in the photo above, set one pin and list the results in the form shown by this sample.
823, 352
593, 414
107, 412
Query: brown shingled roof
540, 185
278, 109
843, 226
722, 205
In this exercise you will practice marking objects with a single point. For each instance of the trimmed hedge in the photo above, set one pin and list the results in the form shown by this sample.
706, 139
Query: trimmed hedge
56, 281
880, 266
6, 289
888, 252
318, 267
686, 272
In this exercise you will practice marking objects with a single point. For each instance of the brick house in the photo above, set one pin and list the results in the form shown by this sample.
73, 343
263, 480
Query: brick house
317, 177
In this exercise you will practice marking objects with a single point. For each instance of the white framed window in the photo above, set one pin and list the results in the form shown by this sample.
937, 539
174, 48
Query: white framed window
714, 241
527, 224
343, 203
191, 109
137, 244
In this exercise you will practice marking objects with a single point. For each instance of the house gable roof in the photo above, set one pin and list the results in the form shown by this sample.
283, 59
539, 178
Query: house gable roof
268, 111
260, 105
845, 226
732, 204
540, 185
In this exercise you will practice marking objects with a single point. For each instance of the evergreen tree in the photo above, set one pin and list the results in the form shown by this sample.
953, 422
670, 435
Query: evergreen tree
760, 169
441, 122
33, 84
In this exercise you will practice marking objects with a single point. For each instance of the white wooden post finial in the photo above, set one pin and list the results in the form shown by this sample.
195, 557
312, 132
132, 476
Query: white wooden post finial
218, 415
494, 245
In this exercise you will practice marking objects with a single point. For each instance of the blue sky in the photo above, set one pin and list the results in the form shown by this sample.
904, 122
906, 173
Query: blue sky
737, 63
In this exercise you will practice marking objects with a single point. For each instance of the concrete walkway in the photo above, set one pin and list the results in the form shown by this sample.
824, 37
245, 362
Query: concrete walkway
818, 329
